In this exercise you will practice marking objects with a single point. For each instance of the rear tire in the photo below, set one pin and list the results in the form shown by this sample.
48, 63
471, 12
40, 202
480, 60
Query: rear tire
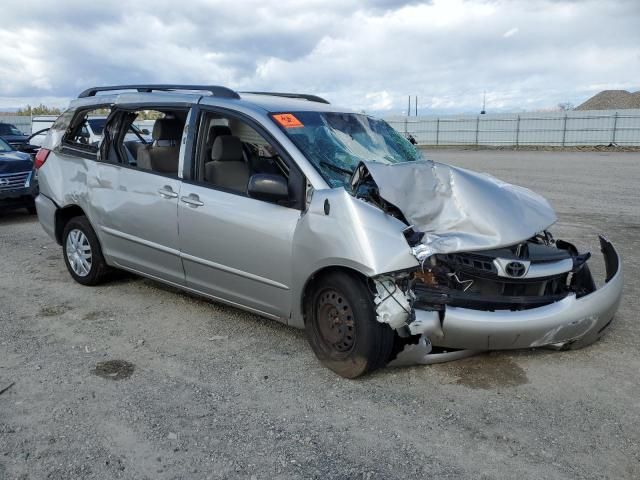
82, 252
341, 326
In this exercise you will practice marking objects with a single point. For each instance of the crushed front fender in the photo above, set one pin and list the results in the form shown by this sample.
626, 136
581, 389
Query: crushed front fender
568, 322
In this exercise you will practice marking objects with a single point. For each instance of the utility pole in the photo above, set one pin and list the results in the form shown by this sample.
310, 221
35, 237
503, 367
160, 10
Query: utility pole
409, 107
484, 103
416, 105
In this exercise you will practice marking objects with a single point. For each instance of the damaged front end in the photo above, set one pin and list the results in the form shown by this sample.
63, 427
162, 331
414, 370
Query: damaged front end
486, 280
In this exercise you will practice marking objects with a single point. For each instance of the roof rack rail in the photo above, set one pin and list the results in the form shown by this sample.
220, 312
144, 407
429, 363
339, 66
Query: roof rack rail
215, 90
304, 96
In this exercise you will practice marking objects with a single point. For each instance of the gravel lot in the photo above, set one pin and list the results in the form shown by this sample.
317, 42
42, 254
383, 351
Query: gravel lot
218, 393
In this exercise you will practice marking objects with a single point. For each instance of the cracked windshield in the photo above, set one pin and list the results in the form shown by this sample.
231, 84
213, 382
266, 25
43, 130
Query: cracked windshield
337, 142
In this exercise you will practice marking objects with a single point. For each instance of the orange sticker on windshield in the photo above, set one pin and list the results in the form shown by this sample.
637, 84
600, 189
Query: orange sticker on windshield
287, 120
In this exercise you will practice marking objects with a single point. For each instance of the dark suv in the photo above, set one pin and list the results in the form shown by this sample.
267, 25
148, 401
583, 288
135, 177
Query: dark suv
12, 135
18, 185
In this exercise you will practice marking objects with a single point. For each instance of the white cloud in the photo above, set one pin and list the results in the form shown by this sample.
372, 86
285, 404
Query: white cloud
367, 55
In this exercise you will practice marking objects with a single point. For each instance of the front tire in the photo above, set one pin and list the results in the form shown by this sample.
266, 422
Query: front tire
82, 252
341, 326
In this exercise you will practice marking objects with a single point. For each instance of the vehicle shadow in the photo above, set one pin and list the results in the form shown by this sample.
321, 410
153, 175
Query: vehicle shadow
17, 216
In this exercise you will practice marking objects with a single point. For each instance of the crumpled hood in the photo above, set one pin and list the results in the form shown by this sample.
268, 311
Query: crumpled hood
458, 209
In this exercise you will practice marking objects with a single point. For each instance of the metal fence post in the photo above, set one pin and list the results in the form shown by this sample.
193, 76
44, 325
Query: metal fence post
564, 129
518, 131
477, 128
615, 125
438, 131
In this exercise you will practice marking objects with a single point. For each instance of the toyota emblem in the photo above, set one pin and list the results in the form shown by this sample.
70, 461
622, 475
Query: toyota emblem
515, 269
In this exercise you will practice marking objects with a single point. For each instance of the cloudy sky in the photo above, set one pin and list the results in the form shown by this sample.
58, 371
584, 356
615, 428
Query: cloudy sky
527, 55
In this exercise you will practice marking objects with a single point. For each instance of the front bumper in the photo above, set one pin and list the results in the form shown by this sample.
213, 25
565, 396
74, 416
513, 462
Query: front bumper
17, 198
570, 320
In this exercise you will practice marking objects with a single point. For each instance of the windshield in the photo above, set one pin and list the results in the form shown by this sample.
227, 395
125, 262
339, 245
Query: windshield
4, 146
97, 125
335, 143
8, 129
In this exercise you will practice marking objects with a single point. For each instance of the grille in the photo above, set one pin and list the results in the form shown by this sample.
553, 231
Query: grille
13, 181
470, 261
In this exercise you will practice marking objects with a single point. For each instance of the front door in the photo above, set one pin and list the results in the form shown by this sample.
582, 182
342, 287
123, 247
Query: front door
235, 247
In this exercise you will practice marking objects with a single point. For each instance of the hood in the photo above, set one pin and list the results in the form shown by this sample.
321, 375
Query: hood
14, 162
458, 209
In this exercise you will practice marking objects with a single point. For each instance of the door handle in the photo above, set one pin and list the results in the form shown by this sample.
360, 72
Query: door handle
192, 200
167, 192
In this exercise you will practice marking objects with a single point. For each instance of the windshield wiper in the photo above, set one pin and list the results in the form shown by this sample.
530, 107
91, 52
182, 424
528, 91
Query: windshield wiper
336, 168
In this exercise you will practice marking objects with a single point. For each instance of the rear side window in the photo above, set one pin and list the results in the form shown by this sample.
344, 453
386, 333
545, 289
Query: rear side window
150, 140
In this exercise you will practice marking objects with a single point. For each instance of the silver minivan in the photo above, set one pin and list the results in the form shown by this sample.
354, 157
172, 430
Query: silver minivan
319, 217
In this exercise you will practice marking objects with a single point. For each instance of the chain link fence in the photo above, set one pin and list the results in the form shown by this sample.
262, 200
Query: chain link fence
21, 122
564, 129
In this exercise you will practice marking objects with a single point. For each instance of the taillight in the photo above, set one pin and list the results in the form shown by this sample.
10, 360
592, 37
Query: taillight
41, 157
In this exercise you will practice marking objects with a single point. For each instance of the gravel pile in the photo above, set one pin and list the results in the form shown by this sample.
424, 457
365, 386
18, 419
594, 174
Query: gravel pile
612, 100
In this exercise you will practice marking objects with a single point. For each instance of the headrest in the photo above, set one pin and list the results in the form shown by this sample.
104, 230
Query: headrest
227, 148
216, 131
167, 129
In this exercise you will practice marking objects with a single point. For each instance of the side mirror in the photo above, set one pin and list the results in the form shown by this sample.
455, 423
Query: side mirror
267, 186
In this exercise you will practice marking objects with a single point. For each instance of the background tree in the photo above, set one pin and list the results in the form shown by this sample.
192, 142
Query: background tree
38, 110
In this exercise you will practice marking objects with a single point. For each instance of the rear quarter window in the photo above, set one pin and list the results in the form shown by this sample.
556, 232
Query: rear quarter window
77, 139
63, 121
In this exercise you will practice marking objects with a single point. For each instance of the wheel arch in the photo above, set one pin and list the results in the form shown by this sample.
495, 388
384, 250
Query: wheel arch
311, 280
63, 215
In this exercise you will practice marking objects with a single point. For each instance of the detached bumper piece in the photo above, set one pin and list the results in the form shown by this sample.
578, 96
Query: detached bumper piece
565, 321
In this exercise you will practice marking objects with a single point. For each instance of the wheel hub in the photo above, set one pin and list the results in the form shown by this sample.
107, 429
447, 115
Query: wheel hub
335, 321
79, 252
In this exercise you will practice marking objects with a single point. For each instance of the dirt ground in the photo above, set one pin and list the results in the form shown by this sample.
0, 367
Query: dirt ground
200, 390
